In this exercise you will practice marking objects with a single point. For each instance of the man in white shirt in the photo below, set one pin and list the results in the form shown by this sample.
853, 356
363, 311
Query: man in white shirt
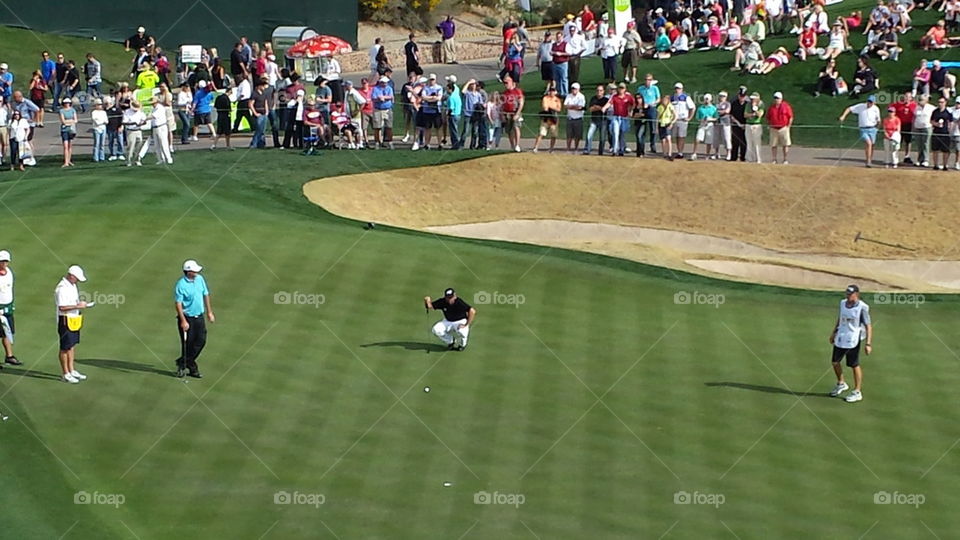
69, 321
923, 129
374, 51
243, 91
133, 122
576, 47
575, 103
7, 326
868, 120
273, 70
161, 132
683, 107
853, 326
610, 47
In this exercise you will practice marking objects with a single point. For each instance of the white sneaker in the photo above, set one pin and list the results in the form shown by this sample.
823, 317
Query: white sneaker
406, 138
122, 158
957, 165
79, 376
925, 164
854, 397
785, 162
68, 378
112, 158
534, 150
839, 389
415, 147
693, 157
194, 138
516, 148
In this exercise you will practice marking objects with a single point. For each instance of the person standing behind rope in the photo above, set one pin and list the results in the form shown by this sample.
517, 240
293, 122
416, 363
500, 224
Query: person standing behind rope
7, 326
192, 300
738, 132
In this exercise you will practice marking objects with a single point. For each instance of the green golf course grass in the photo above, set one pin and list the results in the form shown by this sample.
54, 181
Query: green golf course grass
598, 399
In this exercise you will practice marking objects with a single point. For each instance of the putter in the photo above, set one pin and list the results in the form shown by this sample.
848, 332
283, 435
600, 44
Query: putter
860, 237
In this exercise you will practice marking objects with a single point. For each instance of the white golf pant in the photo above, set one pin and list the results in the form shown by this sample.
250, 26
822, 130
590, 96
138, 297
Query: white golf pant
449, 331
162, 144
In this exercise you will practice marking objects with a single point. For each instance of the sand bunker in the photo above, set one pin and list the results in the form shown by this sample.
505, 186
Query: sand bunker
790, 226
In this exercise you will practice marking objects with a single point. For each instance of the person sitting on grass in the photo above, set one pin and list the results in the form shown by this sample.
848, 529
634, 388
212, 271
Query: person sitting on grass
827, 79
853, 20
952, 15
936, 37
941, 80
748, 57
900, 16
756, 29
879, 17
680, 45
921, 79
666, 117
807, 44
734, 36
778, 58
550, 107
714, 34
661, 45
837, 43
864, 79
886, 46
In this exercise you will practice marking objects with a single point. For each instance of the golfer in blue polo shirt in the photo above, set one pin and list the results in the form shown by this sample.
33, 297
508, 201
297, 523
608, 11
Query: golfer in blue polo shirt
192, 299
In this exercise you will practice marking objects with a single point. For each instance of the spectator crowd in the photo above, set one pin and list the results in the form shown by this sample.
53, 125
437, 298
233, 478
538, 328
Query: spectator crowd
217, 97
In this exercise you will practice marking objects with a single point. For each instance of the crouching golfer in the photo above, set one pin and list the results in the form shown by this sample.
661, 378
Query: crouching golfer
853, 326
69, 321
457, 318
192, 299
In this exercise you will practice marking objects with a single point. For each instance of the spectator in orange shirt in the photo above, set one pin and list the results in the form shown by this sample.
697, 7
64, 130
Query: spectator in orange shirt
936, 37
891, 136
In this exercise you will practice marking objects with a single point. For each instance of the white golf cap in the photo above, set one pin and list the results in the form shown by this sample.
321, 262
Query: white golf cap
3, 65
575, 85
202, 83
777, 95
191, 265
4, 255
271, 57
708, 97
451, 78
384, 79
678, 85
77, 272
141, 29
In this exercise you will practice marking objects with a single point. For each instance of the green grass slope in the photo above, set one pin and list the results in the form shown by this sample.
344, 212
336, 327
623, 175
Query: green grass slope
597, 399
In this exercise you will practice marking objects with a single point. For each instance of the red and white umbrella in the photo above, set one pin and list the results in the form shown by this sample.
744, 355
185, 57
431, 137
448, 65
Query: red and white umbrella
319, 46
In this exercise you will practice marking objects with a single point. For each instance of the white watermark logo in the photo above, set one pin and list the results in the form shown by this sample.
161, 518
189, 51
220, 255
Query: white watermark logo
297, 298
298, 498
898, 299
700, 498
497, 298
908, 499
698, 298
104, 499
509, 499
108, 299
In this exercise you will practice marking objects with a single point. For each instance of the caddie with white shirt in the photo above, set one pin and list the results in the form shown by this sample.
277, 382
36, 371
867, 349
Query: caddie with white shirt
192, 300
853, 326
457, 318
69, 321
7, 326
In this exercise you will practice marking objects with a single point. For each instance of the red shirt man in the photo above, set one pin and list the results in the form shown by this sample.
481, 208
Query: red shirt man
511, 99
780, 114
905, 110
586, 19
622, 102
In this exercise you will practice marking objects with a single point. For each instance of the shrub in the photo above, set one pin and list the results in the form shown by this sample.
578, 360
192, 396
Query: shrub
490, 22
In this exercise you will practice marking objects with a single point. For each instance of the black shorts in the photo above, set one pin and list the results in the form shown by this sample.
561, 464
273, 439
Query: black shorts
68, 338
906, 133
223, 124
429, 120
941, 142
13, 328
201, 119
852, 354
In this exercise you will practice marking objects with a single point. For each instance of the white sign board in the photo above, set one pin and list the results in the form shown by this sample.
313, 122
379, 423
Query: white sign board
191, 54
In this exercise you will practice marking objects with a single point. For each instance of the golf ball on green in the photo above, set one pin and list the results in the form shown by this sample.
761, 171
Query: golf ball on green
426, 389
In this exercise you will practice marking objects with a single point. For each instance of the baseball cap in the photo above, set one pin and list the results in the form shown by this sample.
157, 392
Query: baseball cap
678, 85
658, 10
202, 84
77, 272
575, 85
191, 265
348, 83
422, 80
98, 101
384, 79
622, 85
449, 292
871, 98
3, 65
742, 90
450, 78
4, 255
722, 93
67, 100
755, 95
271, 57
852, 288
708, 97
141, 29
891, 109
778, 95
432, 77
569, 16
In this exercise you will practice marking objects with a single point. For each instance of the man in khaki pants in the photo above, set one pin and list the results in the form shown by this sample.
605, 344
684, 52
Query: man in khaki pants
447, 30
